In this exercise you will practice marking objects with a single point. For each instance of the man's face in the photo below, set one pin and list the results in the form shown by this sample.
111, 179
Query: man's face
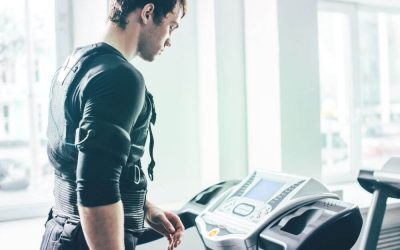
155, 37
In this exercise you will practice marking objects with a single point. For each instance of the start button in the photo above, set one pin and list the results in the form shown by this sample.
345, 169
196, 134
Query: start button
213, 232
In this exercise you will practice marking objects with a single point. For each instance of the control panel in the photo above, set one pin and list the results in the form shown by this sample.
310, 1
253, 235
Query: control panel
236, 218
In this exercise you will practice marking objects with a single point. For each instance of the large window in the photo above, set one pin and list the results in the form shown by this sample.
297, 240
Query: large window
360, 87
379, 78
27, 62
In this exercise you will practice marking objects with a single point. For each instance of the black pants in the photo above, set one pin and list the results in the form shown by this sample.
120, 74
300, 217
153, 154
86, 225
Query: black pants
57, 228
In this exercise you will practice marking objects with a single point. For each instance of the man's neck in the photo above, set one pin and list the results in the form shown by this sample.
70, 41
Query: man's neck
125, 41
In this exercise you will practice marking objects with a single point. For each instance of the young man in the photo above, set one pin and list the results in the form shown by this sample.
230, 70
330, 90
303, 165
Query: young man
99, 117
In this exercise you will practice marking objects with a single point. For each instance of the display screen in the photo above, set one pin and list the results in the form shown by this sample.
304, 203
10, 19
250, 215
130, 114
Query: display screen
263, 190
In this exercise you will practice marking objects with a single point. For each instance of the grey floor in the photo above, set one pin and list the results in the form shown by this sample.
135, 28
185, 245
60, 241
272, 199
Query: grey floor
21, 234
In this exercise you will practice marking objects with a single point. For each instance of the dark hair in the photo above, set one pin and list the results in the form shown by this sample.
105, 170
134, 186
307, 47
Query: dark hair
120, 9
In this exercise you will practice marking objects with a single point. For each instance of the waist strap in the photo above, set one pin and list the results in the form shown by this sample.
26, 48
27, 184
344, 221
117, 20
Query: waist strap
65, 197
133, 202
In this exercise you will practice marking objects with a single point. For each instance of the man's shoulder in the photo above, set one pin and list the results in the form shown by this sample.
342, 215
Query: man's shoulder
110, 65
108, 72
104, 61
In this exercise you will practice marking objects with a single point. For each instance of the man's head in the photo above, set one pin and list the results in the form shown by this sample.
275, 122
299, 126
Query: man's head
157, 18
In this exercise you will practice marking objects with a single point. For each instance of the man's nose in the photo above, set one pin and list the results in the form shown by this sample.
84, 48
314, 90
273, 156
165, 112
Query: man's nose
168, 42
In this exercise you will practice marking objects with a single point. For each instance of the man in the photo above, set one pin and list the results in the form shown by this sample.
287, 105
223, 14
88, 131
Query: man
99, 117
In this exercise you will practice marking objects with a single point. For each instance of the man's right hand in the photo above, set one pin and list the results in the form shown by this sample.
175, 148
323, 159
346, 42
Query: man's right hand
166, 223
103, 226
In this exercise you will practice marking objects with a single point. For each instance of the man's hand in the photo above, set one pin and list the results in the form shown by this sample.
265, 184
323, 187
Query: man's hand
166, 223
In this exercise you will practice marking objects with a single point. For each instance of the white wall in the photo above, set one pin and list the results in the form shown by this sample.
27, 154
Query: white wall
299, 87
263, 85
283, 86
173, 80
231, 76
88, 20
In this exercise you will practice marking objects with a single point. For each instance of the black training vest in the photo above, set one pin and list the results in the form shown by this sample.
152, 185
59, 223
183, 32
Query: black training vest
63, 154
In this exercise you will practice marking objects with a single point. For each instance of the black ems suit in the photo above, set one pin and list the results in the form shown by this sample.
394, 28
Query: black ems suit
99, 117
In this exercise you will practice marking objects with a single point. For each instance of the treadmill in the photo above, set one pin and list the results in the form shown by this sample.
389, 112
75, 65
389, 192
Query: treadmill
270, 211
383, 184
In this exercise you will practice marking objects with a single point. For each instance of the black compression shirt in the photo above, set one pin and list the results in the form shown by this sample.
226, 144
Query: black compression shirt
110, 94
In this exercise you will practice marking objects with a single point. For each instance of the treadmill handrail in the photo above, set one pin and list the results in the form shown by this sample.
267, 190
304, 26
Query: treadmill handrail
388, 177
382, 184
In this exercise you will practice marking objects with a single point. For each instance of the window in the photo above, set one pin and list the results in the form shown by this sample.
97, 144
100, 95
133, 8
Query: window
27, 62
359, 49
379, 32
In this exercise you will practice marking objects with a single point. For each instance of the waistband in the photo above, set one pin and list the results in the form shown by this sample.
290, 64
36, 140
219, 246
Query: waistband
133, 203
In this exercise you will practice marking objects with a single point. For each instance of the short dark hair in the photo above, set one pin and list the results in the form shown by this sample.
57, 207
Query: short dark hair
120, 9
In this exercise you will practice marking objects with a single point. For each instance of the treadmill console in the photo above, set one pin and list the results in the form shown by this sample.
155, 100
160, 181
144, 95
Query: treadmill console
237, 217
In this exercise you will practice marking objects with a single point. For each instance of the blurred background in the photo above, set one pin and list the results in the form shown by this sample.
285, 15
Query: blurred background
307, 87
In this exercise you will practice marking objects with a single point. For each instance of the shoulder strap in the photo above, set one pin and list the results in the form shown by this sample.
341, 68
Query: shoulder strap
75, 61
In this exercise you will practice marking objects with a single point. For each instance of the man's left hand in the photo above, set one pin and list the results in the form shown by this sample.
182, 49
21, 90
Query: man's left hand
166, 223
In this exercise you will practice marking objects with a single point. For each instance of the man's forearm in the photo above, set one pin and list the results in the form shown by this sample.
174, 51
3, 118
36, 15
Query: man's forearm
103, 226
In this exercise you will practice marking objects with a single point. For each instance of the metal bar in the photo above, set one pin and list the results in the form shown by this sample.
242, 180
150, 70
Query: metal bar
373, 224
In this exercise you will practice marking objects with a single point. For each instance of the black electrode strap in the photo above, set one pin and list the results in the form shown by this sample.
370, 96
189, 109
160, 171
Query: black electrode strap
153, 119
152, 163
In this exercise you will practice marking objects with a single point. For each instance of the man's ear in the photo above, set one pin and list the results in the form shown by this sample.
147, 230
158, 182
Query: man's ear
147, 13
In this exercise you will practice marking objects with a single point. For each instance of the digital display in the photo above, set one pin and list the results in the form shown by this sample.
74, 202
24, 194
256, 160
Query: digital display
263, 190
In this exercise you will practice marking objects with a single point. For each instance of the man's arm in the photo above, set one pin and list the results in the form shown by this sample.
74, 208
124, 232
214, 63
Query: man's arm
103, 226
112, 102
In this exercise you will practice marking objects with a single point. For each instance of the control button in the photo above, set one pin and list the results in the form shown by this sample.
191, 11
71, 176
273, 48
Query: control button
243, 209
263, 212
213, 232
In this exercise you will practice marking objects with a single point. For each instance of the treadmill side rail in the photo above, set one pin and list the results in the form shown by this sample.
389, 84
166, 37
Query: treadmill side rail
327, 224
